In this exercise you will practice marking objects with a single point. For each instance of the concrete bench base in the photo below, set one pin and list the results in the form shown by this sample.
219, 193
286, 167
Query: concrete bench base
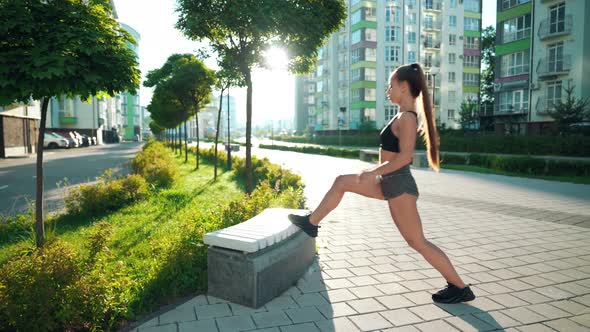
253, 279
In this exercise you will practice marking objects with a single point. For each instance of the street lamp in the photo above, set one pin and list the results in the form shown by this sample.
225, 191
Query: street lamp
433, 73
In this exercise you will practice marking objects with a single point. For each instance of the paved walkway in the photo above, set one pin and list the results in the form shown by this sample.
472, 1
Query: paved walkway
518, 241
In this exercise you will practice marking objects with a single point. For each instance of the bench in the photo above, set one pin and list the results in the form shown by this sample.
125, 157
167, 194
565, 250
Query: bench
419, 159
367, 155
257, 260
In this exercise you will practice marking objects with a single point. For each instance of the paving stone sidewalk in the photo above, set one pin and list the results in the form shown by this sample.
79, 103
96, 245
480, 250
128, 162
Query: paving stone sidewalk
524, 244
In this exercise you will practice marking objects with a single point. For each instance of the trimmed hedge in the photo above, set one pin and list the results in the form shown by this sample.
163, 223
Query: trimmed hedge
521, 165
575, 145
330, 151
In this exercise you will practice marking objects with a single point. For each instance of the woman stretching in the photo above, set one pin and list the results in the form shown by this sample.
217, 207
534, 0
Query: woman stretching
392, 180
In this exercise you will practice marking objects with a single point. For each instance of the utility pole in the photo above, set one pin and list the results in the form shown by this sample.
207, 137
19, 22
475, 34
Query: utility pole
228, 132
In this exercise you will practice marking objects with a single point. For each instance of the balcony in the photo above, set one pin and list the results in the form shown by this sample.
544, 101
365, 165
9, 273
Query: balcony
548, 29
544, 106
433, 5
432, 45
432, 26
553, 67
67, 118
432, 64
486, 110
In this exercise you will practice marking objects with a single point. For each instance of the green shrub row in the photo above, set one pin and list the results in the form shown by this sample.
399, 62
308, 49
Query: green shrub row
155, 164
521, 165
56, 288
329, 151
575, 145
106, 195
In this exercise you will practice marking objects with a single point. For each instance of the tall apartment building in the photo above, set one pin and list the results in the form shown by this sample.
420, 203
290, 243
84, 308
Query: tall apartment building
347, 90
540, 50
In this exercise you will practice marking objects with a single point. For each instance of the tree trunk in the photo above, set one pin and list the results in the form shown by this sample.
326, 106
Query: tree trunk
185, 144
40, 229
198, 138
228, 135
217, 134
248, 132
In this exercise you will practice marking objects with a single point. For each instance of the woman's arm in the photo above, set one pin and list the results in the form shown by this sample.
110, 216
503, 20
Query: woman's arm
407, 143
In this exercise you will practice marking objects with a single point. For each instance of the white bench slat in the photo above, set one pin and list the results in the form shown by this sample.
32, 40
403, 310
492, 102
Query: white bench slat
267, 228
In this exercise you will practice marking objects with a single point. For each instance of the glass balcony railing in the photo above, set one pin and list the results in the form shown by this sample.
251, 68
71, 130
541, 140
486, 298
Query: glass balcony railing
554, 66
549, 28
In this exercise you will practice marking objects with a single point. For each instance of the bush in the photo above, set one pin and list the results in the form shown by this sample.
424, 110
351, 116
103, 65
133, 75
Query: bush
52, 289
106, 195
476, 142
329, 151
155, 164
264, 170
15, 227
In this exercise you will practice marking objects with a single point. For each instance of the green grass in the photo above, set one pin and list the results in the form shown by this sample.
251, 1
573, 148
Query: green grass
150, 237
478, 169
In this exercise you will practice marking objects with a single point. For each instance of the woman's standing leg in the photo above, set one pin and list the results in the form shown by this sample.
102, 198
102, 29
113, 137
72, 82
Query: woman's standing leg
407, 219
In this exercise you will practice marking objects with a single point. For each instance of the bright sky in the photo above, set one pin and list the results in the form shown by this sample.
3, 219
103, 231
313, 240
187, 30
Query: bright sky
274, 91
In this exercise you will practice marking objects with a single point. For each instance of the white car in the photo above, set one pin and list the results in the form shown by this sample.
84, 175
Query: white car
54, 141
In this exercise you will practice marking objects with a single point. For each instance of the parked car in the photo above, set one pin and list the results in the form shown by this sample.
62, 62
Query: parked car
72, 139
136, 138
54, 141
79, 138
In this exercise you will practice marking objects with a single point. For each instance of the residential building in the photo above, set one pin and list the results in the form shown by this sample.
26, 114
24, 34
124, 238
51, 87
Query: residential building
347, 90
540, 50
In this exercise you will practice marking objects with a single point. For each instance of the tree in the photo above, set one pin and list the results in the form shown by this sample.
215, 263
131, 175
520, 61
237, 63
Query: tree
569, 111
226, 77
53, 48
468, 114
488, 59
240, 32
187, 81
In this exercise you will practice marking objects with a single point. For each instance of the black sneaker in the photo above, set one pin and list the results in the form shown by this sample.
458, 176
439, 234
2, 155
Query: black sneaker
453, 294
303, 223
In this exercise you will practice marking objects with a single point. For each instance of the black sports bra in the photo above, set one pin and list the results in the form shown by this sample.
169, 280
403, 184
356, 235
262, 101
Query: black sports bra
389, 141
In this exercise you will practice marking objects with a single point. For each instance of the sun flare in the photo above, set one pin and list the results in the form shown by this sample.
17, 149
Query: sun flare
276, 58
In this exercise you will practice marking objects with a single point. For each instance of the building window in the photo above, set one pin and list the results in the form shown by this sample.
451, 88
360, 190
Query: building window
470, 23
411, 56
370, 74
370, 95
452, 21
555, 57
452, 96
371, 35
471, 61
515, 64
472, 42
453, 4
355, 37
370, 54
451, 114
557, 18
554, 90
429, 22
452, 58
514, 101
355, 74
471, 6
390, 111
356, 55
355, 95
506, 4
413, 18
452, 40
470, 79
392, 53
517, 28
392, 34
411, 38
356, 17
428, 60
370, 14
452, 77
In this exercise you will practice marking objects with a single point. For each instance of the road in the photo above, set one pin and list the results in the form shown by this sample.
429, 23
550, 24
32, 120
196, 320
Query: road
17, 176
